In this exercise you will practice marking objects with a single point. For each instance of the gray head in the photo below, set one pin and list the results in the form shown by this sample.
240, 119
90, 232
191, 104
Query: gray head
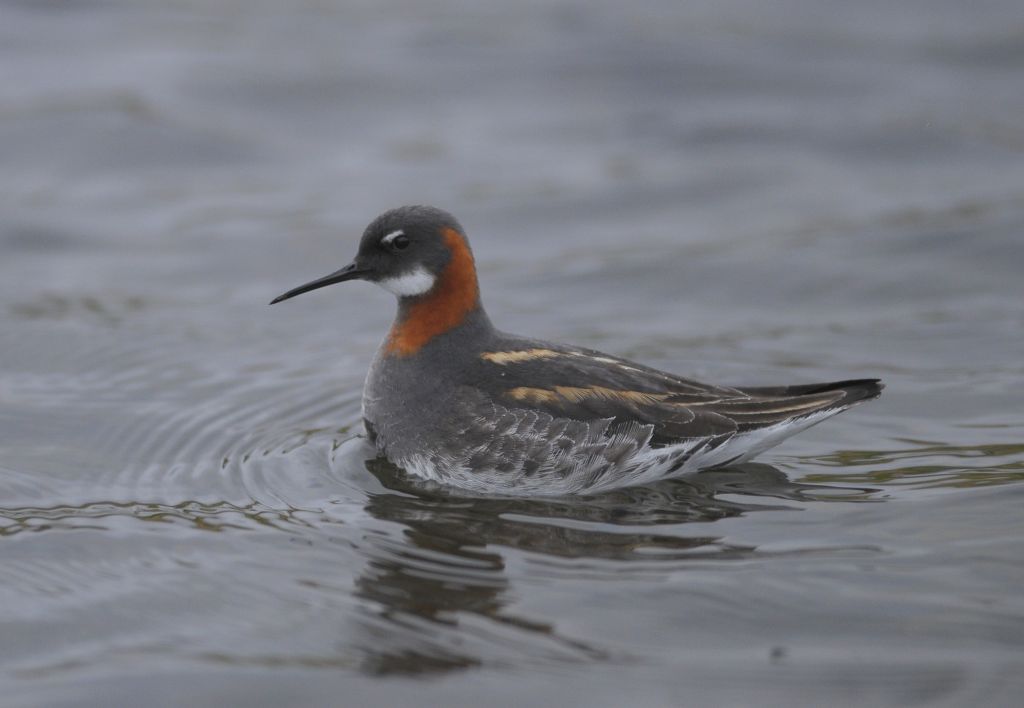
411, 251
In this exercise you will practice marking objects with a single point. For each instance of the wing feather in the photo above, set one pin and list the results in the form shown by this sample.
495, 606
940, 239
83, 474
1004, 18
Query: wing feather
583, 385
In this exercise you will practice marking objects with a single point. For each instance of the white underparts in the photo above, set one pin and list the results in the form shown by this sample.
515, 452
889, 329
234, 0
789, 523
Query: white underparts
416, 282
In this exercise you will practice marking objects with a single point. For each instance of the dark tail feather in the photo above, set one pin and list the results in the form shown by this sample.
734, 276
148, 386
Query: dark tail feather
856, 390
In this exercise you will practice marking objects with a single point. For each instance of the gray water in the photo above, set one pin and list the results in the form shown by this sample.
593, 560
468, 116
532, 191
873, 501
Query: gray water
743, 192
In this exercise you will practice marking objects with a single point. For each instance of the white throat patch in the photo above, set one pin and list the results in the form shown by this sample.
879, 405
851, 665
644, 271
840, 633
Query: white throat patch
416, 282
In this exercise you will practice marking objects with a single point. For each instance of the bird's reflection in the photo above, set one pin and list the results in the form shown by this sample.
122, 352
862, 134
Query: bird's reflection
448, 567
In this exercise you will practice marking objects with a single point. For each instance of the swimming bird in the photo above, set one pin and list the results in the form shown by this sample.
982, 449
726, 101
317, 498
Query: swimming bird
452, 399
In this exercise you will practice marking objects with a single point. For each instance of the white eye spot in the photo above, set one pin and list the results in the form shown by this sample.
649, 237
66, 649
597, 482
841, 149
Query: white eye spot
391, 237
416, 282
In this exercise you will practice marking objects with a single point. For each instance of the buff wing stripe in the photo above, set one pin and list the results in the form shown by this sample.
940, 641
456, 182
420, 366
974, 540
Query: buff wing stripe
515, 357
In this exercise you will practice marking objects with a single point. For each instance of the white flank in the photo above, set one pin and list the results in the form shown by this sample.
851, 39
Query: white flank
416, 282
644, 466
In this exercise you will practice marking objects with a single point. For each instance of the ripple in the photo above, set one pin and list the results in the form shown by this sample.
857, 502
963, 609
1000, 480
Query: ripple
18, 486
937, 465
55, 306
199, 515
169, 425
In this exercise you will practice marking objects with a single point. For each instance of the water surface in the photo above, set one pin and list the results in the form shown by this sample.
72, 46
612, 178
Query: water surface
188, 514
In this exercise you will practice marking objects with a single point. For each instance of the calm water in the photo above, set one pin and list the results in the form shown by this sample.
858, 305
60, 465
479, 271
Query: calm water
815, 191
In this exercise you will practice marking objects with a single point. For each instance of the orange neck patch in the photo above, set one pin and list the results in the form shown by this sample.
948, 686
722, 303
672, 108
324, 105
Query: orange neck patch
455, 295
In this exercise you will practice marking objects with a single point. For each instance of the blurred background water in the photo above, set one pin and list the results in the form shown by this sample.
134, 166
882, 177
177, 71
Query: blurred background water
738, 191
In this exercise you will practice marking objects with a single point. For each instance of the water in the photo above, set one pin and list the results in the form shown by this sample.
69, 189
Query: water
737, 192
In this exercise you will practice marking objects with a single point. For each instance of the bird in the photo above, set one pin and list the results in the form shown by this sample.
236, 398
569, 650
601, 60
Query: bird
451, 399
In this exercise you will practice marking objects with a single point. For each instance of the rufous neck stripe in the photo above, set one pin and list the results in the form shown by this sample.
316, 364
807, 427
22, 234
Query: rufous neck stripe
454, 296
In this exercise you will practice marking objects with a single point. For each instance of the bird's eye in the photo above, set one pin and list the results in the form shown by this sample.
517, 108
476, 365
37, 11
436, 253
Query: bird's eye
400, 242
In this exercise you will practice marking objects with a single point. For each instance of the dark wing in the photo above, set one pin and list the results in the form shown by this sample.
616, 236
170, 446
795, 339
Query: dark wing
582, 384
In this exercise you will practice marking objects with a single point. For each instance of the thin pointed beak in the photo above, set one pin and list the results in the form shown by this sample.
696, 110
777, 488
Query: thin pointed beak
349, 272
